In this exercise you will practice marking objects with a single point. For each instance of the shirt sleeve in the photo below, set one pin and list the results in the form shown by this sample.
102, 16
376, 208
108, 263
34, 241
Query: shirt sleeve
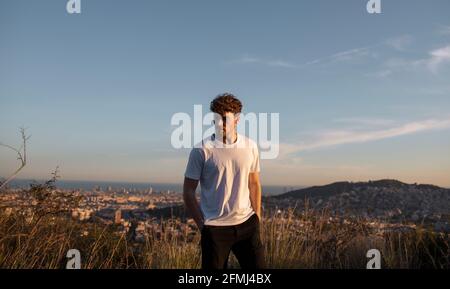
255, 164
195, 163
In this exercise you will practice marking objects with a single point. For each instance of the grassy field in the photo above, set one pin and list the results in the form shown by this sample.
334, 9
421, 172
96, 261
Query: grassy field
312, 240
39, 234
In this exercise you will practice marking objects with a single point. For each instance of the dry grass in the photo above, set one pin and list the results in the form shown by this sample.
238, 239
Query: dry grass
311, 240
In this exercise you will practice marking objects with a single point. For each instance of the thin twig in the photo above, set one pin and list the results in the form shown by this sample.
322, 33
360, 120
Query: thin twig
21, 156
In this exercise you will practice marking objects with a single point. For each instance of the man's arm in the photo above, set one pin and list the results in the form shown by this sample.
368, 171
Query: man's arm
190, 202
254, 186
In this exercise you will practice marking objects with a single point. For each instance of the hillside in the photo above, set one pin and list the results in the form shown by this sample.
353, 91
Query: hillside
387, 199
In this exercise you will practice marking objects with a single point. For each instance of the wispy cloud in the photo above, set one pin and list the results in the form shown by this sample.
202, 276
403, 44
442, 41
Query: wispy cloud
400, 43
339, 137
433, 62
281, 63
341, 56
345, 55
435, 59
438, 57
246, 59
365, 121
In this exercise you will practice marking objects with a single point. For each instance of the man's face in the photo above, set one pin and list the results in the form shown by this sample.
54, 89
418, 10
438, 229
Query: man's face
226, 124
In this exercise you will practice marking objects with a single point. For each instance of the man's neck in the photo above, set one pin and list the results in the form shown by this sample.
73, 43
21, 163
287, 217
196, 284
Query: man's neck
226, 139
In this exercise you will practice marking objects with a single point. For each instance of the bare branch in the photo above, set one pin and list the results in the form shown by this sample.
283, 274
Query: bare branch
21, 155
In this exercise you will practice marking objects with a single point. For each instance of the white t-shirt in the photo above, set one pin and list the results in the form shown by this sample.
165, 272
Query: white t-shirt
223, 171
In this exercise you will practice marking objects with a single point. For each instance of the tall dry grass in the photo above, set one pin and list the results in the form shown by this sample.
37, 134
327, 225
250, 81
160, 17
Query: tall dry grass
310, 240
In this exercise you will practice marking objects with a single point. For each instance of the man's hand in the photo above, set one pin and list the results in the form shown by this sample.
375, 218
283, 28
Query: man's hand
190, 202
254, 186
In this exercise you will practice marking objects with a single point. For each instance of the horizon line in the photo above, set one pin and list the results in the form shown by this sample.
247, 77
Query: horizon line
272, 185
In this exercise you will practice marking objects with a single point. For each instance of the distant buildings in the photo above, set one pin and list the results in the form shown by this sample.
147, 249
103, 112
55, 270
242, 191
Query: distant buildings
82, 214
118, 217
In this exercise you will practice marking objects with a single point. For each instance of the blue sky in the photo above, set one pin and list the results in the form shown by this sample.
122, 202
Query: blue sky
360, 96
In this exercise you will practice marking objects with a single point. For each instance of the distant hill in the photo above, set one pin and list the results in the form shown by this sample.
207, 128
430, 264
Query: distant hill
342, 187
384, 199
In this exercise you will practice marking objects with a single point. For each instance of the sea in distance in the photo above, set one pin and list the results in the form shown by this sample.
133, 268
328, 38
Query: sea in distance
157, 187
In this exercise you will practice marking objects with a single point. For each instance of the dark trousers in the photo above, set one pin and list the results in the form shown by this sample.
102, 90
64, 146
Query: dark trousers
243, 240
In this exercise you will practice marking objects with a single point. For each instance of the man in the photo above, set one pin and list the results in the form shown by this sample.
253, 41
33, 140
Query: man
227, 166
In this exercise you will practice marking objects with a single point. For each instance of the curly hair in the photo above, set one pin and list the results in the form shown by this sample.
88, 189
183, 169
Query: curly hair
224, 103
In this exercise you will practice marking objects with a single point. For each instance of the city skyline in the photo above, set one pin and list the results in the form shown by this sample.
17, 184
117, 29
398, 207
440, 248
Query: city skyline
360, 96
